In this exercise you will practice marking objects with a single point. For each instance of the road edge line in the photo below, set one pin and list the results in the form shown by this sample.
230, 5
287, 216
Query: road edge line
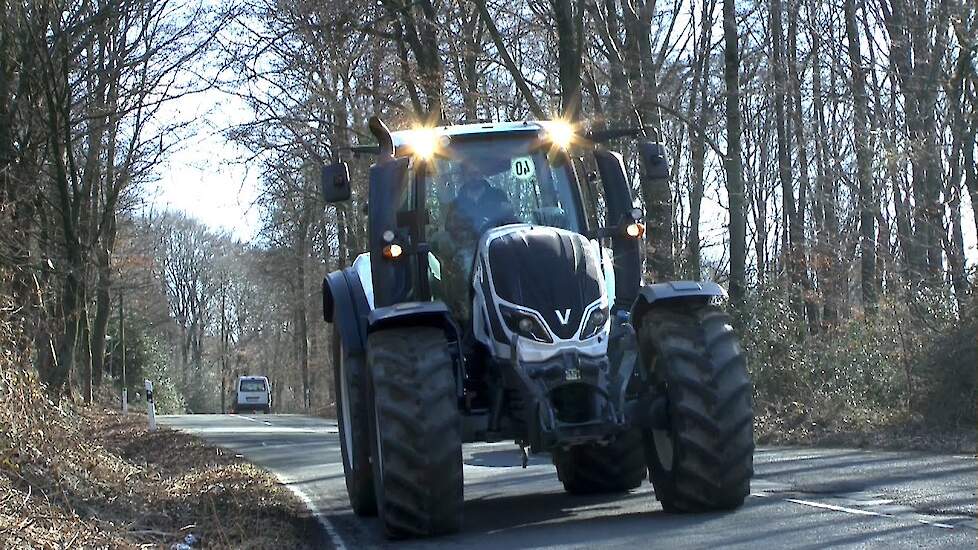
334, 535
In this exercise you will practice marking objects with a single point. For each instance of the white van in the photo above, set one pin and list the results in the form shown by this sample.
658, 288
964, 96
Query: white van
253, 394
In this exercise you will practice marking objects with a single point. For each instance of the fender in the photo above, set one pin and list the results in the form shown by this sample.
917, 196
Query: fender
432, 314
673, 292
345, 303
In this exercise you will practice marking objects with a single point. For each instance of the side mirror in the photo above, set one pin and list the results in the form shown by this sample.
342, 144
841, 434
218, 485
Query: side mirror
654, 161
335, 182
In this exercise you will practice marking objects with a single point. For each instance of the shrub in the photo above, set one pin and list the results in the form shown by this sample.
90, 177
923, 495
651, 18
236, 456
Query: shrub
947, 374
905, 362
146, 358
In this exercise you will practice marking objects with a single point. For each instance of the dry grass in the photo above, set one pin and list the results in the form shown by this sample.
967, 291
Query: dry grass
73, 477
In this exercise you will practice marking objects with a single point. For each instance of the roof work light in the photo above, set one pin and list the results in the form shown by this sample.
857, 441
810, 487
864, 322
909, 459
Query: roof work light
424, 142
560, 133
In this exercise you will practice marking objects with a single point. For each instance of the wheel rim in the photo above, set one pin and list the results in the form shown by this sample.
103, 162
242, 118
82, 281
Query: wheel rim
663, 448
345, 407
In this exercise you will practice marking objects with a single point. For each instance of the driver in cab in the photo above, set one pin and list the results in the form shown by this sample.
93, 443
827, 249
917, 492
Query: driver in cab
476, 207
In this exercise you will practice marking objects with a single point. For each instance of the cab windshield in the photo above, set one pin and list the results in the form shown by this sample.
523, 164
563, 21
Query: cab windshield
473, 185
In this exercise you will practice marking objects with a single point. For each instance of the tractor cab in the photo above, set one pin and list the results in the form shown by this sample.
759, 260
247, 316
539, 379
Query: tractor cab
465, 180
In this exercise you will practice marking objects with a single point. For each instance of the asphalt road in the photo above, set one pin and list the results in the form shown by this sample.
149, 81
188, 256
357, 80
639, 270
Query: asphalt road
801, 497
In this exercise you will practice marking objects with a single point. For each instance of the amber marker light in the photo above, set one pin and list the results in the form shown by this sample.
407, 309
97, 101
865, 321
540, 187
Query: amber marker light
393, 251
635, 230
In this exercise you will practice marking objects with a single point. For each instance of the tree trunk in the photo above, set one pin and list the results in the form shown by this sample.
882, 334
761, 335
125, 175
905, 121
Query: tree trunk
419, 29
569, 26
794, 229
971, 172
804, 183
867, 206
961, 139
103, 304
697, 109
732, 163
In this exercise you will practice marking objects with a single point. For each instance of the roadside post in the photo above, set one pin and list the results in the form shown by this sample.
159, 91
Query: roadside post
150, 406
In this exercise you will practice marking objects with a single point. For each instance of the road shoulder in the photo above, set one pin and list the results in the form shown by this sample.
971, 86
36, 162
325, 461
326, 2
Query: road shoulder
119, 485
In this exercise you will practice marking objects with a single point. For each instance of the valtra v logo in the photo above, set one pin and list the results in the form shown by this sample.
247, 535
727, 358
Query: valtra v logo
563, 318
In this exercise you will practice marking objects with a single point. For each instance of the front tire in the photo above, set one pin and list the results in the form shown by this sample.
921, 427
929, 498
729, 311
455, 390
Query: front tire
349, 380
592, 469
704, 461
417, 442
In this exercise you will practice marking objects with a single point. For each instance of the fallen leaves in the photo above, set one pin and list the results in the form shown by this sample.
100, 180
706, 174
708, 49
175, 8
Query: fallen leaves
74, 477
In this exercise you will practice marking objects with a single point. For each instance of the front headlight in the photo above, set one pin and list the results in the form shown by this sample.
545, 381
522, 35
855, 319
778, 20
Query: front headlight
595, 322
524, 324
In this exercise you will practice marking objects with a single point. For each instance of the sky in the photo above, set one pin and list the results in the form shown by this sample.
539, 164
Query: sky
204, 177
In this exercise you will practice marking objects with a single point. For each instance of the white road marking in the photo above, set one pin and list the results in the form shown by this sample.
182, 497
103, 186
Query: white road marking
854, 511
334, 535
258, 429
835, 508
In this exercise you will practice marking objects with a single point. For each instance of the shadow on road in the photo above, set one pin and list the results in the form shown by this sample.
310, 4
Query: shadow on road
506, 458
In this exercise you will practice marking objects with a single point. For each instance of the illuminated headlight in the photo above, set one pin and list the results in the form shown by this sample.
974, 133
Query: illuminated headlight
595, 322
524, 324
560, 133
423, 142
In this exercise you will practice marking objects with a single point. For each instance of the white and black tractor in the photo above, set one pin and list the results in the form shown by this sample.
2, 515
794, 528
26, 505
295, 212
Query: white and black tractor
490, 305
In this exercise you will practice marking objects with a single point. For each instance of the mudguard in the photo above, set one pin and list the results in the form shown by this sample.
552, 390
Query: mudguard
671, 292
432, 314
428, 314
345, 304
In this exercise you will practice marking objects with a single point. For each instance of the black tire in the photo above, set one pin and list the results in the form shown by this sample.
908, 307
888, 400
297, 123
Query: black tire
704, 462
349, 379
417, 442
592, 469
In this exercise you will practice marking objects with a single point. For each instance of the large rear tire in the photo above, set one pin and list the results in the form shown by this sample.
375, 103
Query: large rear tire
349, 378
592, 469
704, 461
417, 442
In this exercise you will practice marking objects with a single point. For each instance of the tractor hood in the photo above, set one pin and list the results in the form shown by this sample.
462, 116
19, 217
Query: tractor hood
553, 272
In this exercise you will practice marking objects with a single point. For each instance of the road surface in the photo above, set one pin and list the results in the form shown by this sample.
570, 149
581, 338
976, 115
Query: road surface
801, 497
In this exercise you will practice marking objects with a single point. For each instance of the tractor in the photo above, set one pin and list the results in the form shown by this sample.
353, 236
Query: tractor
491, 305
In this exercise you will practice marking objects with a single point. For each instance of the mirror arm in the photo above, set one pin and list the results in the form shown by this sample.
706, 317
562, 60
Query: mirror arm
604, 136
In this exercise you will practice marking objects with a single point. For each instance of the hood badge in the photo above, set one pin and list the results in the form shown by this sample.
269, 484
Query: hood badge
563, 318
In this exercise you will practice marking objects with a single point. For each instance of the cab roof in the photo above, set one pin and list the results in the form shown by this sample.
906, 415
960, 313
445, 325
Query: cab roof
401, 137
